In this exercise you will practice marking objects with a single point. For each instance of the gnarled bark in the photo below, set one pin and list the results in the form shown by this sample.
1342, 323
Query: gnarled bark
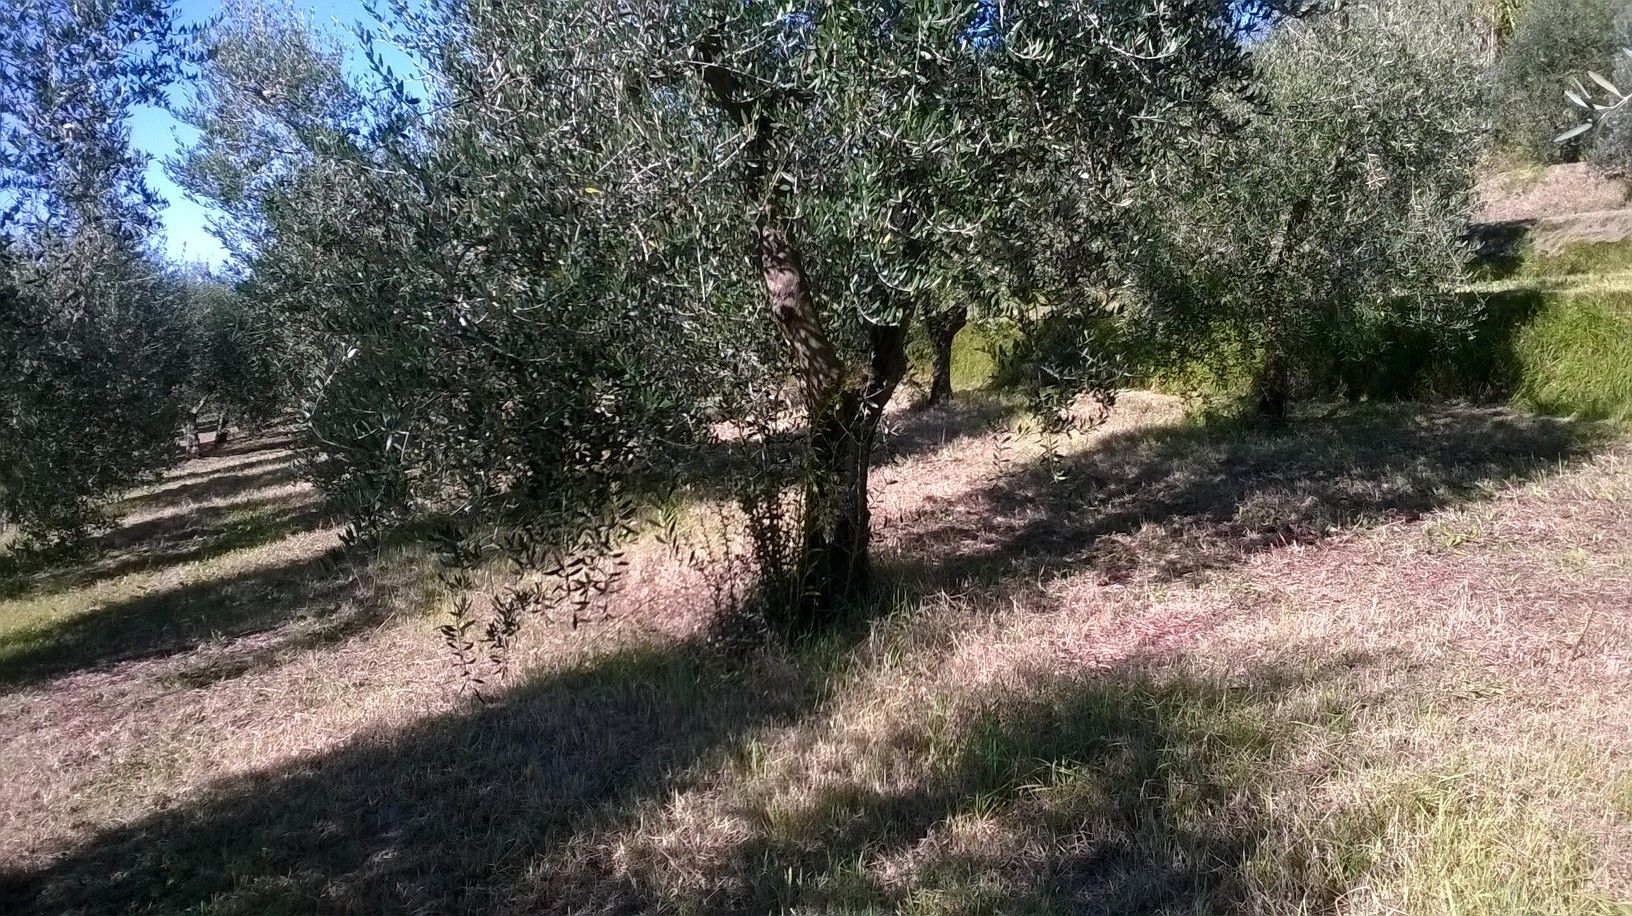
843, 406
835, 564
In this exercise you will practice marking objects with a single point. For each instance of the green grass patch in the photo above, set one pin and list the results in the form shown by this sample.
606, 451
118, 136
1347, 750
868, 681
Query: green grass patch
1509, 254
974, 356
1557, 352
1576, 259
1575, 356
1453, 844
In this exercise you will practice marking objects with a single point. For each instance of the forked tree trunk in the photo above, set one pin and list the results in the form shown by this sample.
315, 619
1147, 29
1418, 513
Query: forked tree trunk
835, 564
195, 447
843, 410
837, 560
943, 328
222, 426
189, 430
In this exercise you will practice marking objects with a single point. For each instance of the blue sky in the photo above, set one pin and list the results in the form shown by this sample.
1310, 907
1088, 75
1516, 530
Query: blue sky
186, 223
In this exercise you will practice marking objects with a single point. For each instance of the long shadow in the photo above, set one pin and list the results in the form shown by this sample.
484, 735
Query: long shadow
1164, 503
280, 439
444, 817
920, 431
216, 486
1139, 790
1498, 248
332, 589
1118, 794
199, 534
259, 462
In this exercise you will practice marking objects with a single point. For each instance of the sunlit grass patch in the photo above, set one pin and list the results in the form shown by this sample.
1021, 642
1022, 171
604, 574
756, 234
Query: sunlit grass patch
1462, 842
1575, 356
1574, 259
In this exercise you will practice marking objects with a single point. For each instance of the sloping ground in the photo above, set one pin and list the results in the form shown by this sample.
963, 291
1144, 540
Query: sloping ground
1379, 664
1547, 192
1551, 209
1553, 290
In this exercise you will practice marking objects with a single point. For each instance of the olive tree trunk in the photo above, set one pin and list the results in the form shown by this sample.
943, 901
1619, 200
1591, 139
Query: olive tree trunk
843, 413
1272, 391
189, 430
942, 329
222, 426
843, 406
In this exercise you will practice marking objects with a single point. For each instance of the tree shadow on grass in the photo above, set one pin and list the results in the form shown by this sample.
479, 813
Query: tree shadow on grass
446, 816
1162, 503
919, 431
1125, 793
198, 534
335, 593
280, 439
217, 486
193, 471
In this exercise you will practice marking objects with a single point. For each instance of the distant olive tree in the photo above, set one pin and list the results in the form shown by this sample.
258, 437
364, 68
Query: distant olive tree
1335, 210
87, 403
232, 349
1552, 41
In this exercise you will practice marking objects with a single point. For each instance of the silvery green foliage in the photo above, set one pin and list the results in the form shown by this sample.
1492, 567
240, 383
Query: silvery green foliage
529, 298
877, 146
1603, 100
1554, 42
480, 337
269, 98
86, 346
1334, 212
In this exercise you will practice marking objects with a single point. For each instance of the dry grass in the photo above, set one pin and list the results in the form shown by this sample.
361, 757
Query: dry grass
1376, 665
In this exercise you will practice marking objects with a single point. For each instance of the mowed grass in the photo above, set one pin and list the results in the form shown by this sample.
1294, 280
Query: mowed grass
1375, 664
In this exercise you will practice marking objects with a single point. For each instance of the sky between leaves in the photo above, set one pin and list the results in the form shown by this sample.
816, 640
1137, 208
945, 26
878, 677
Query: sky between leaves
186, 235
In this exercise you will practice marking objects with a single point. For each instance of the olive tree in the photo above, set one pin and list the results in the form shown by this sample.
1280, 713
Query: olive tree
1335, 210
87, 404
232, 352
479, 337
1600, 99
1552, 41
610, 228
867, 140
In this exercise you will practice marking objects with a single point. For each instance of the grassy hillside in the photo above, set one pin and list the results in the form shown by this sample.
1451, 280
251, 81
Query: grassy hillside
1557, 331
1374, 665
